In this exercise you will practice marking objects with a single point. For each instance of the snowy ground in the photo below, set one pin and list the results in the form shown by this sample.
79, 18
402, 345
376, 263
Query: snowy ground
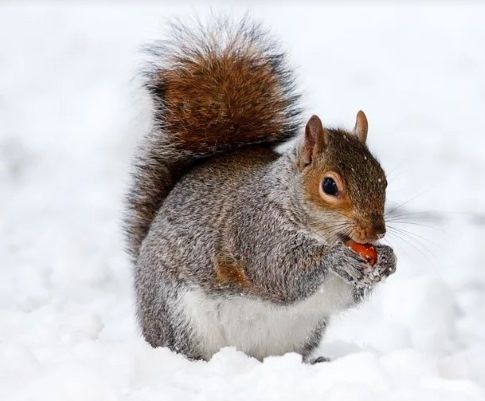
68, 124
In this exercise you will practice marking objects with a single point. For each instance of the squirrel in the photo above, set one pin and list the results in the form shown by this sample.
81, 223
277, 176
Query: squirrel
233, 243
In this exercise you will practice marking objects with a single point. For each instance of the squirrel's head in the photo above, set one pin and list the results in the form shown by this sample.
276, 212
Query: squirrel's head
344, 185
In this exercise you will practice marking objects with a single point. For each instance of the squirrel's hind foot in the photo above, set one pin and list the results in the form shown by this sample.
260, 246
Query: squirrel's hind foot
318, 359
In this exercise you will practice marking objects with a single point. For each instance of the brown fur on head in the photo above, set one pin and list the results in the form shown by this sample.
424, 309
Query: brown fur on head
343, 183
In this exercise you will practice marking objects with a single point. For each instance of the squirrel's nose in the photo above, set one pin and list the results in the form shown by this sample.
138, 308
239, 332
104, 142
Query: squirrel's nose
379, 230
376, 227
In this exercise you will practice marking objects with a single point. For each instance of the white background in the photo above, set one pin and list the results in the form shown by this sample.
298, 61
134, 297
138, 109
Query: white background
69, 120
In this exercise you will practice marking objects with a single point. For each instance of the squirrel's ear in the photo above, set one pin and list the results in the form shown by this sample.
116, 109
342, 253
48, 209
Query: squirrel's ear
316, 138
361, 126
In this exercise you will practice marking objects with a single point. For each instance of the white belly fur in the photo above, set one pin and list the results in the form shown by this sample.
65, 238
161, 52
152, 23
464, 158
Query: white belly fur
260, 328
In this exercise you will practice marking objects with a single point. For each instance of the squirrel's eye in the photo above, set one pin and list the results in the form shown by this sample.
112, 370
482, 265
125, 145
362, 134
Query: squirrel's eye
329, 186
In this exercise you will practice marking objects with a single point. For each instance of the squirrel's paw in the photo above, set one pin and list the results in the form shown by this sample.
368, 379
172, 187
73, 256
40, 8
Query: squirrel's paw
354, 269
347, 264
386, 260
384, 267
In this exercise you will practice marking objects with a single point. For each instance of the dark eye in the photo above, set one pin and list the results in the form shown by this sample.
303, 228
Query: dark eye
330, 186
386, 183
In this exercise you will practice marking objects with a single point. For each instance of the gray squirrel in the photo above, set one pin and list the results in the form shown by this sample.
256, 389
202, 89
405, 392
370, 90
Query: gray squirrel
233, 243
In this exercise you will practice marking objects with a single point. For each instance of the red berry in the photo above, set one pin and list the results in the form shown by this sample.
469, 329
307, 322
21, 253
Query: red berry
367, 251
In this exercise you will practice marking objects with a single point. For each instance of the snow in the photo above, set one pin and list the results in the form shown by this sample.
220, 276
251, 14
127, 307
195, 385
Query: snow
69, 121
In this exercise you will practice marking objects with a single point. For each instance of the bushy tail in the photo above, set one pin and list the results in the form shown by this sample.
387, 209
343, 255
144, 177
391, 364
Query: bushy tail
215, 87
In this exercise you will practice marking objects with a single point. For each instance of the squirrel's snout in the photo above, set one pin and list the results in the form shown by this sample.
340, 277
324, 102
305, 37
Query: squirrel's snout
377, 226
369, 231
379, 229
374, 235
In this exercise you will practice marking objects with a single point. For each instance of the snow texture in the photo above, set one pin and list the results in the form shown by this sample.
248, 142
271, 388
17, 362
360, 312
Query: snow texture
69, 122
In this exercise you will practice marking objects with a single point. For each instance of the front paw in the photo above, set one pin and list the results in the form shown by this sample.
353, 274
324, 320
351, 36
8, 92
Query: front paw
384, 267
350, 266
347, 264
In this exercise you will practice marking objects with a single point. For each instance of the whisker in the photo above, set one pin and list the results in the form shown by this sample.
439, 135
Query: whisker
413, 242
395, 244
413, 235
419, 250
425, 215
413, 223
